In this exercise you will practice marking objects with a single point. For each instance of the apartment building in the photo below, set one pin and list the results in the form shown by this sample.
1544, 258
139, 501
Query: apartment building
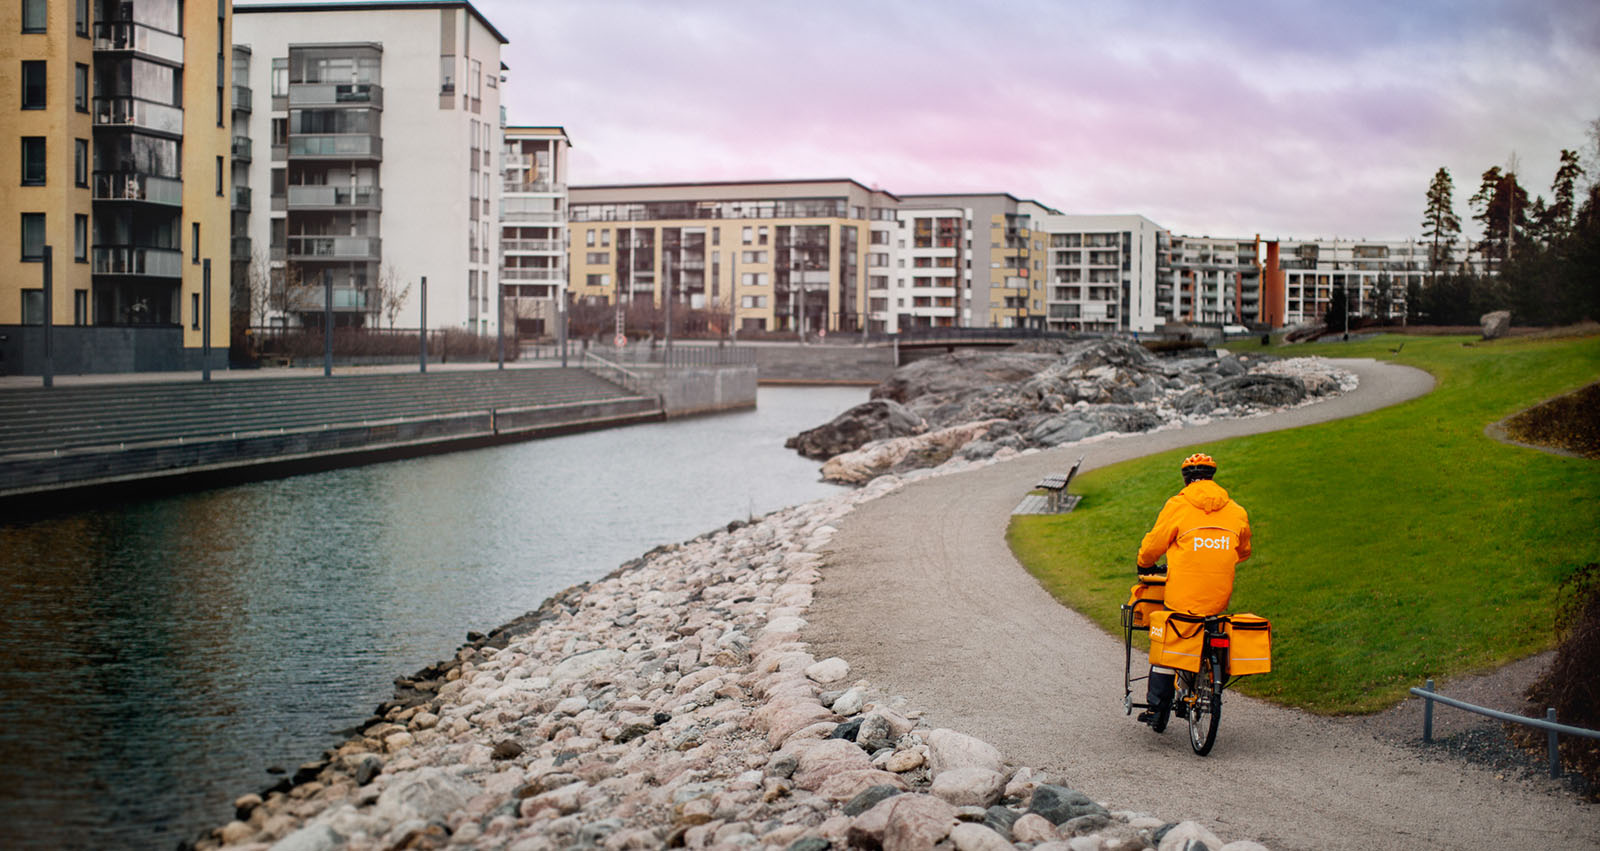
1101, 273
375, 139
771, 255
533, 228
1375, 273
1011, 293
1210, 281
118, 113
919, 270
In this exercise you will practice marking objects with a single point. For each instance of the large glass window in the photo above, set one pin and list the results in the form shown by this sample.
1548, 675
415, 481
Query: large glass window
33, 161
280, 77
80, 162
33, 236
82, 7
80, 241
34, 15
33, 84
80, 87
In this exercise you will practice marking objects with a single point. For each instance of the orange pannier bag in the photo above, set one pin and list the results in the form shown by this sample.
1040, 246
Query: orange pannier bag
1145, 598
1176, 640
1249, 645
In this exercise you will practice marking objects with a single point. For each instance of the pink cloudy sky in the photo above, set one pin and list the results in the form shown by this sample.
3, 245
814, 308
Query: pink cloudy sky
1285, 119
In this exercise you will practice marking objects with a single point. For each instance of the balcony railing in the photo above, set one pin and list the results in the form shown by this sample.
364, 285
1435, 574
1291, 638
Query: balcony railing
335, 197
127, 35
337, 146
241, 198
533, 186
335, 94
241, 148
514, 216
133, 112
241, 98
516, 274
132, 260
510, 245
344, 298
335, 247
132, 186
239, 249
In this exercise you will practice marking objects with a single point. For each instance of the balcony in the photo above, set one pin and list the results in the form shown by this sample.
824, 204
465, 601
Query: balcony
152, 43
344, 298
335, 198
515, 274
335, 248
239, 249
520, 246
241, 199
241, 98
533, 186
341, 146
143, 114
534, 217
134, 260
241, 149
133, 186
335, 94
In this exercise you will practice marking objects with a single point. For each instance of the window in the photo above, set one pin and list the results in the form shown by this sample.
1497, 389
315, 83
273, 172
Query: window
34, 14
80, 87
80, 307
219, 176
280, 77
80, 162
588, 237
33, 161
716, 236
598, 280
194, 242
761, 236
221, 104
33, 307
194, 311
80, 238
83, 17
33, 88
748, 233
605, 238
33, 236
447, 74
597, 258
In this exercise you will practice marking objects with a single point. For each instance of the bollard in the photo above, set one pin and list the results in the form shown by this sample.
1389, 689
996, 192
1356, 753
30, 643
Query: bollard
1427, 715
1555, 748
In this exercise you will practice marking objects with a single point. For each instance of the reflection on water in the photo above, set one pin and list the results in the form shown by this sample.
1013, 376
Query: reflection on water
156, 657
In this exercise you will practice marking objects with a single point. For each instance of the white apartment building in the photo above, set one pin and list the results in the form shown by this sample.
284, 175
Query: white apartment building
1100, 272
376, 145
1307, 272
1209, 281
929, 278
533, 228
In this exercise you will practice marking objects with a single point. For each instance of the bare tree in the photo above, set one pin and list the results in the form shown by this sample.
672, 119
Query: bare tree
291, 293
258, 278
393, 293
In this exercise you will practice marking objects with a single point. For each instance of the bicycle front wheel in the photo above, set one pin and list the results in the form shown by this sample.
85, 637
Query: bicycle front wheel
1205, 706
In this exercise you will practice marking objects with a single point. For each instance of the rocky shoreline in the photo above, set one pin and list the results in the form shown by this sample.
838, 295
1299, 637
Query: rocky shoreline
674, 703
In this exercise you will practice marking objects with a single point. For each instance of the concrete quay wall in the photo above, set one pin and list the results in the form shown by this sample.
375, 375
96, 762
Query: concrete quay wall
686, 391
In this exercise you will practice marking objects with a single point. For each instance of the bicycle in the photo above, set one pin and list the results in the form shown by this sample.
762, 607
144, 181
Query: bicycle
1198, 692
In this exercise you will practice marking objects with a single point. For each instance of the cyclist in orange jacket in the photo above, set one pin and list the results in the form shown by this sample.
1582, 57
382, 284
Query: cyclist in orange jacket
1204, 534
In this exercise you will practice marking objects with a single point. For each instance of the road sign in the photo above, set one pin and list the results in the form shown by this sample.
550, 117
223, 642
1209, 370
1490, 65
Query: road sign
620, 340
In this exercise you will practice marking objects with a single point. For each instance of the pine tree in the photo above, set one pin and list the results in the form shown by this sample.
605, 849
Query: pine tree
1502, 207
1563, 190
1439, 221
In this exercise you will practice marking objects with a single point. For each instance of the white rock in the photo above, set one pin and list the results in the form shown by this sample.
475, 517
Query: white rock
948, 749
969, 787
829, 670
584, 664
968, 836
1178, 837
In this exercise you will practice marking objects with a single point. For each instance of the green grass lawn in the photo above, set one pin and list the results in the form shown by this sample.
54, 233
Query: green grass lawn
1389, 548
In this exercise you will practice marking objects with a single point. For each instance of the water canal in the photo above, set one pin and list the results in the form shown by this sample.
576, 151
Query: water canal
157, 657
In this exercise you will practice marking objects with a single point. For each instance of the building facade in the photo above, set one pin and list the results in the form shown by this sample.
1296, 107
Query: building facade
771, 256
1376, 274
919, 271
375, 141
121, 121
533, 229
1101, 273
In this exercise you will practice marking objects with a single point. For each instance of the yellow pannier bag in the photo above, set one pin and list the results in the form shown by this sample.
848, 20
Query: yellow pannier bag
1176, 640
1249, 645
1145, 598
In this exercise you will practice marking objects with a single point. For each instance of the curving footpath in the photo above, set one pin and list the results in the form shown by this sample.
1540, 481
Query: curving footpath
923, 596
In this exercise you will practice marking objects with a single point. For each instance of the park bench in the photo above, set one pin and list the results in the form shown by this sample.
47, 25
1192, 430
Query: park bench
1057, 500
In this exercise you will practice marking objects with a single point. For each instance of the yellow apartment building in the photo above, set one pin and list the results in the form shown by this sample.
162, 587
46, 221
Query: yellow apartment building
786, 256
120, 117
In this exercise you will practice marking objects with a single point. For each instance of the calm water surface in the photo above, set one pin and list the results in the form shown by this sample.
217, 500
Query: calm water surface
157, 657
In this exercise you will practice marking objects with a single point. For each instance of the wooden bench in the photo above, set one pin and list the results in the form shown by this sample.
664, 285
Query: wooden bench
1057, 500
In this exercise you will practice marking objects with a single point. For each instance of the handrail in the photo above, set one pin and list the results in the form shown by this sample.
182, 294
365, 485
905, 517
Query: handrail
1548, 723
628, 378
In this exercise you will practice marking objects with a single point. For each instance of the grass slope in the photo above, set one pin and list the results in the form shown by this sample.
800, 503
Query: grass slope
1389, 548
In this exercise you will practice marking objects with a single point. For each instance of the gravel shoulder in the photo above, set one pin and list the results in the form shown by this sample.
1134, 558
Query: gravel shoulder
920, 592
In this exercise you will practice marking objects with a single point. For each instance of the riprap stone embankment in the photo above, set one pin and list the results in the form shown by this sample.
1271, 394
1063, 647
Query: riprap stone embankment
675, 703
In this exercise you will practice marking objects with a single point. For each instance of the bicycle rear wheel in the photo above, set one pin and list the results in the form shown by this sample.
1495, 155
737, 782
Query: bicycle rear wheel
1205, 707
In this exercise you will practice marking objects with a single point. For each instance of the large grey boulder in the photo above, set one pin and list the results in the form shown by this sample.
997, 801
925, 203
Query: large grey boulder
959, 372
874, 420
1259, 391
1495, 324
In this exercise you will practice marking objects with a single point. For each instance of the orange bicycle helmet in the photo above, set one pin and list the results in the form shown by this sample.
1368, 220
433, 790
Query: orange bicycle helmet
1199, 459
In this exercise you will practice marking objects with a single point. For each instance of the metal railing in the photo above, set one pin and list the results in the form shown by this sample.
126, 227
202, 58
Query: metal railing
685, 355
616, 373
1547, 723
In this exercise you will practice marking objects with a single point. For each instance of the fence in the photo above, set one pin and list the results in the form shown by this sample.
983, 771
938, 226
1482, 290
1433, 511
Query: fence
679, 356
374, 345
617, 374
1548, 723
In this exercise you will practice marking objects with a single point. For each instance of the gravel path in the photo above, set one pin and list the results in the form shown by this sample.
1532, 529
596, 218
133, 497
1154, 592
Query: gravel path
924, 598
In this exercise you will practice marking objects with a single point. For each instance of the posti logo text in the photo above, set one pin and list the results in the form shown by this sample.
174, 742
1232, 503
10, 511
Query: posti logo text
1211, 543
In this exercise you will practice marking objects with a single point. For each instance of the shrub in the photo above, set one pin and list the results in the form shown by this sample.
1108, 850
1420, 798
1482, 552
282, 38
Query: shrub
1570, 685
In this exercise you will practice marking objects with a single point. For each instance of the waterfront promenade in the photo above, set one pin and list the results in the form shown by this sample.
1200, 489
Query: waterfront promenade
167, 429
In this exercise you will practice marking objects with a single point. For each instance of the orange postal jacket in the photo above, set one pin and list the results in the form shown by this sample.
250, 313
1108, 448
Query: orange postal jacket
1204, 534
